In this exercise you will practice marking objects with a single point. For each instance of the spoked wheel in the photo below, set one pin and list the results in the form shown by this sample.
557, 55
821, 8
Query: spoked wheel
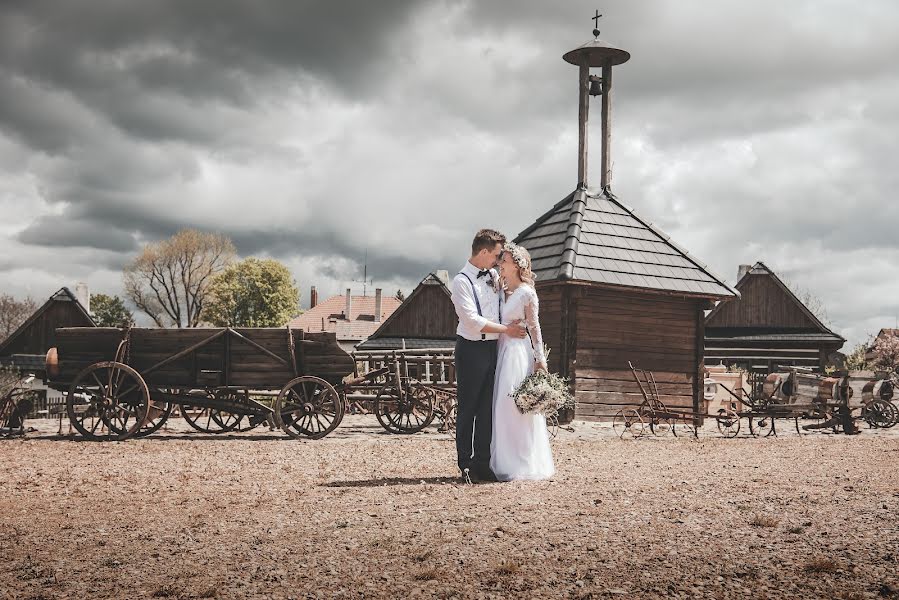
659, 424
308, 407
881, 414
628, 424
552, 426
409, 415
728, 422
108, 401
447, 412
213, 420
157, 415
761, 425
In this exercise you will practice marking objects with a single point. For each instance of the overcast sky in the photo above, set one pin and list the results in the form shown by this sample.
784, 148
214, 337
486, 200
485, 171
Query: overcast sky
313, 132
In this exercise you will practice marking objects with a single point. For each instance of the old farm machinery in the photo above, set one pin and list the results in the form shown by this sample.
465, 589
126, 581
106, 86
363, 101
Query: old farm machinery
126, 382
407, 390
808, 401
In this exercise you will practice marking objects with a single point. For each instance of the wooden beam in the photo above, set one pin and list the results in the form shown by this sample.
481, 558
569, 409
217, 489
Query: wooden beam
605, 161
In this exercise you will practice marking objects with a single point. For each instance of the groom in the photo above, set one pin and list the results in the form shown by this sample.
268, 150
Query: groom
477, 296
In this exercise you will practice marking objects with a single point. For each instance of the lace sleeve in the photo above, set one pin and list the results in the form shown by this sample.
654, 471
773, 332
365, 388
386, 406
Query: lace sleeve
532, 318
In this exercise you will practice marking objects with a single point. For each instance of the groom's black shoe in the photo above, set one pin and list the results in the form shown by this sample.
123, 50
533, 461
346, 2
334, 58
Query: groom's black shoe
484, 473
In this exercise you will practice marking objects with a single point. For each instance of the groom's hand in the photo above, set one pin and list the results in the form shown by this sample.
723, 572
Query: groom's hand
515, 330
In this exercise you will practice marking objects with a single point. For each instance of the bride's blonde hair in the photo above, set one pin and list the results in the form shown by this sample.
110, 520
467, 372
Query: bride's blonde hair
522, 259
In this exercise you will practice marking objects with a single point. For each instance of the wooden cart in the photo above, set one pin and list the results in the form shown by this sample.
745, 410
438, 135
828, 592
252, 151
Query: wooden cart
126, 382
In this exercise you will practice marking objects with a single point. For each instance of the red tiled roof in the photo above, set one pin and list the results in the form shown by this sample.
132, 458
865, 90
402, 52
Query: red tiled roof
353, 328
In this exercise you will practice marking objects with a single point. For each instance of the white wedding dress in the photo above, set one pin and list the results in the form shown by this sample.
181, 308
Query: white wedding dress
520, 445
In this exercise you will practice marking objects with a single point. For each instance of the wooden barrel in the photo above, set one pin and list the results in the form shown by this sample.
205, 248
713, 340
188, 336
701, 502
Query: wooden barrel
51, 363
779, 387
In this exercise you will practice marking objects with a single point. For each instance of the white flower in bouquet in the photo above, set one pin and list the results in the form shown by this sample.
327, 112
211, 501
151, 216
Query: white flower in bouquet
543, 393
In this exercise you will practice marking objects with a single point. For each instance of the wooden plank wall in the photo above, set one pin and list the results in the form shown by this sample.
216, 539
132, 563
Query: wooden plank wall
763, 303
430, 314
656, 333
40, 336
248, 366
550, 298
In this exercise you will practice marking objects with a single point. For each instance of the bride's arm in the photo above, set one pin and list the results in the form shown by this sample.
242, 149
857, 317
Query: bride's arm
532, 318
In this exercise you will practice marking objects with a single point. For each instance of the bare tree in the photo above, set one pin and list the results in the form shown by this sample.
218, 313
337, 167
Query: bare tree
13, 313
811, 302
169, 280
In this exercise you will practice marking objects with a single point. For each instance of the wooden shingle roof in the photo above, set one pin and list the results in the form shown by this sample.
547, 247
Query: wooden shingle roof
593, 237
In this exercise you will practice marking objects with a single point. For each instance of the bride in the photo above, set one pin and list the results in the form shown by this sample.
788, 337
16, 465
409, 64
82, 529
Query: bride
520, 445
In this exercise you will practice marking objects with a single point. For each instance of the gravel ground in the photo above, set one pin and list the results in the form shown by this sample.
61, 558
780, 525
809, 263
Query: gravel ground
367, 514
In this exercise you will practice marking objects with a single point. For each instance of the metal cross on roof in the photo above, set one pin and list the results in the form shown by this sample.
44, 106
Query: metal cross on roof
596, 24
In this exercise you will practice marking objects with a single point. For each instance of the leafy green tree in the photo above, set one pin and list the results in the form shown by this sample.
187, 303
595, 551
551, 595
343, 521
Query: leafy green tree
855, 360
252, 293
110, 311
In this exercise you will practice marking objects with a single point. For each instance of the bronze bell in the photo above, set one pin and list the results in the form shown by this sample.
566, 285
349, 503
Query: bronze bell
595, 86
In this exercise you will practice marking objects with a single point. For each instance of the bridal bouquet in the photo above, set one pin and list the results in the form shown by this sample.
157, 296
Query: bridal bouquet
543, 393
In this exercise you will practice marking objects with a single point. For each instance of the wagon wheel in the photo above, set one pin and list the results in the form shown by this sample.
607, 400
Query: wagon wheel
157, 415
308, 406
728, 422
108, 401
233, 421
761, 425
659, 424
447, 414
552, 425
211, 420
409, 415
881, 414
628, 423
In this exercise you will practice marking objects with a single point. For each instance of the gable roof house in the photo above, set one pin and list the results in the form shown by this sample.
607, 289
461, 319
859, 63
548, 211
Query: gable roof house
768, 327
352, 318
613, 288
426, 319
26, 348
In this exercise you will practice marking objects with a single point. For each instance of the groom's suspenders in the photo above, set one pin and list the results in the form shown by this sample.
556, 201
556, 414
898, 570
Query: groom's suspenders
477, 302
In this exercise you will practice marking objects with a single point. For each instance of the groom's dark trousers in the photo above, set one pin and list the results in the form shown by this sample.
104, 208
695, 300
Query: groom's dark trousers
475, 370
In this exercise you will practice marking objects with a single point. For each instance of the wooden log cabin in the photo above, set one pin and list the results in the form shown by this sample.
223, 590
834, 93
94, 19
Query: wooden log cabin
767, 328
612, 287
426, 319
27, 346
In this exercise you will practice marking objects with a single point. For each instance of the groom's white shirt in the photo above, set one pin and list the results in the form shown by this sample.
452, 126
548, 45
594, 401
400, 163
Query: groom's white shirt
470, 322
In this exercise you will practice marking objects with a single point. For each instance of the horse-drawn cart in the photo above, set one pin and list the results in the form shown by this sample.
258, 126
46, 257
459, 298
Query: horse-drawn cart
126, 382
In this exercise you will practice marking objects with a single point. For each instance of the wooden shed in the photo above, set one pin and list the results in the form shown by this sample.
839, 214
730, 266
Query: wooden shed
426, 319
612, 287
767, 328
28, 345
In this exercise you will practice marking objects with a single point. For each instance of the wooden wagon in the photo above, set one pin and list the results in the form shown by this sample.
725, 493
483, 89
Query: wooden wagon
126, 382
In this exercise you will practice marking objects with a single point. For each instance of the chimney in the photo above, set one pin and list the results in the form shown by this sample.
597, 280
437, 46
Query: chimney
378, 305
82, 294
743, 270
313, 298
349, 305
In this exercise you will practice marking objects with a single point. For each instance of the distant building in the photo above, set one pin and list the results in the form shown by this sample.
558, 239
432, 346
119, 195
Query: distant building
26, 349
884, 333
767, 327
426, 319
352, 318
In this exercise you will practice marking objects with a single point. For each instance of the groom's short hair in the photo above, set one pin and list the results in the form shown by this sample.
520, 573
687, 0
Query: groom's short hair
486, 239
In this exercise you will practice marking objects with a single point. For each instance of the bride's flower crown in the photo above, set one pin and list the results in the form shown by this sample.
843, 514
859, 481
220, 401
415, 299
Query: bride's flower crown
515, 251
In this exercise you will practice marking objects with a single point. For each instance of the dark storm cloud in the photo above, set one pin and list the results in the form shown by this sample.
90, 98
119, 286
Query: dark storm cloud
316, 131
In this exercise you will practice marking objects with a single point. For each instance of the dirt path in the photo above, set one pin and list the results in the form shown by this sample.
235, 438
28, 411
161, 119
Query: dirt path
365, 514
